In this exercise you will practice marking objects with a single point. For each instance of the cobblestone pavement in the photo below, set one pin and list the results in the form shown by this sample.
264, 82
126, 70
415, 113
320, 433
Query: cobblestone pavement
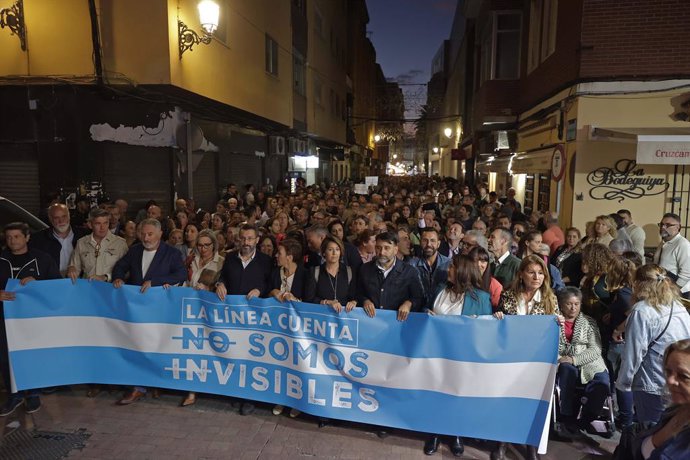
213, 429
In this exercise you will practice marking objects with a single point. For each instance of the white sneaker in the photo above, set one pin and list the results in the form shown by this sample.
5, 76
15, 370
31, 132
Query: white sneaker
278, 409
294, 413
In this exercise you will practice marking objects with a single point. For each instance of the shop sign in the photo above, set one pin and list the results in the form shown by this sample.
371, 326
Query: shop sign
625, 180
651, 151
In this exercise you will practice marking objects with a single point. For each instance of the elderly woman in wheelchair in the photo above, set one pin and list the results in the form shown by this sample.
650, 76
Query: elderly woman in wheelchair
580, 365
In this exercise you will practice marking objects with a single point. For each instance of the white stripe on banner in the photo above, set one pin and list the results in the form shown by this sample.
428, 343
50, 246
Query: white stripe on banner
456, 378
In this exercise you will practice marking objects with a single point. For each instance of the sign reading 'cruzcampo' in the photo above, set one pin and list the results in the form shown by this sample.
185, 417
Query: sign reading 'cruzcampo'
475, 377
659, 150
624, 180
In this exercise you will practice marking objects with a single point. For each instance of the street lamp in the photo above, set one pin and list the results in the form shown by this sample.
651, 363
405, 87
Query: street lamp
435, 149
209, 12
448, 132
377, 138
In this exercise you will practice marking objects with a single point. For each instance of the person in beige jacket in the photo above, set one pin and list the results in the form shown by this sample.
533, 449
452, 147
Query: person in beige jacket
580, 362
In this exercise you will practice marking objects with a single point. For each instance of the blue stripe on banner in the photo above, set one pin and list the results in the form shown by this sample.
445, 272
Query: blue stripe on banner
512, 340
506, 419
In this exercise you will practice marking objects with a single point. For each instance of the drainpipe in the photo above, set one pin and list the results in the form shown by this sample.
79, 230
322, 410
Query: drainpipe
96, 40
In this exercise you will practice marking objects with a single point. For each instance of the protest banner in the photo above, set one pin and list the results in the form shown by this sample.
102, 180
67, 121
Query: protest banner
452, 375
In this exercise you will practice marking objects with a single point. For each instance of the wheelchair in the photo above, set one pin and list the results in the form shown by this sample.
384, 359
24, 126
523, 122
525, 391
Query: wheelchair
604, 424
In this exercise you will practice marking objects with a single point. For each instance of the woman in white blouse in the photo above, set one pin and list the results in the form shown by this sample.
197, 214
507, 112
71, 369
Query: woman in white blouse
202, 274
462, 296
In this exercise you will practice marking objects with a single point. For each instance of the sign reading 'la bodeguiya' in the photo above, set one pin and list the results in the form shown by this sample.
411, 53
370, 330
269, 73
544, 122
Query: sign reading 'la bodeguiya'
624, 180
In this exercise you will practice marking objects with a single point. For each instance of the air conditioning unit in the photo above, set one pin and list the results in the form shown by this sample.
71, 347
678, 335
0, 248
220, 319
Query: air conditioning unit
276, 145
296, 145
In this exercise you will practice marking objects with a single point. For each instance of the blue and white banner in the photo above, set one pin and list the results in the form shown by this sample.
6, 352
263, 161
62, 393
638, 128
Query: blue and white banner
452, 375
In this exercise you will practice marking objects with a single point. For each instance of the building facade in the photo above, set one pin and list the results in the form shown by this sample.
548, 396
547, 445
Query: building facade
581, 106
138, 97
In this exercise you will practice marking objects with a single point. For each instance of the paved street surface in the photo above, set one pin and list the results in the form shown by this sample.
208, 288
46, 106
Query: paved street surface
213, 429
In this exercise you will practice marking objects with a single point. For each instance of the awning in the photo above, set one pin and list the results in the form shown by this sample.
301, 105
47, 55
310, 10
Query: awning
655, 146
494, 164
538, 161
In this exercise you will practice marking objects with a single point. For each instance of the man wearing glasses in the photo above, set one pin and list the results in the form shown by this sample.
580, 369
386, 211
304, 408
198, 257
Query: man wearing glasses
673, 254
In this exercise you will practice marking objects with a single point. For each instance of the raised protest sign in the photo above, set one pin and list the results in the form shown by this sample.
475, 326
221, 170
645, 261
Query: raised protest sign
452, 375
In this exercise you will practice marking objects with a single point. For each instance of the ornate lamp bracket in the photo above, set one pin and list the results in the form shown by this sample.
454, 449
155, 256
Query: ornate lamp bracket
188, 38
13, 17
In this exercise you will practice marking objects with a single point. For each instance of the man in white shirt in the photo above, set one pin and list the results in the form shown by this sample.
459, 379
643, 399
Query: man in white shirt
673, 253
635, 233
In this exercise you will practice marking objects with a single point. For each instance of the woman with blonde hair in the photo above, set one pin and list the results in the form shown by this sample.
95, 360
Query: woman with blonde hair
530, 294
595, 260
203, 269
657, 320
604, 230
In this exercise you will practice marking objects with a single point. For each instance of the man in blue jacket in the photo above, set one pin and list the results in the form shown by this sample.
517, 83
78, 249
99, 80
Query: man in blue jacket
151, 263
388, 283
19, 262
432, 266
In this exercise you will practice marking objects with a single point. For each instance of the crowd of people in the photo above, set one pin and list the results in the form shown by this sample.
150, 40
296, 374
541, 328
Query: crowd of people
412, 245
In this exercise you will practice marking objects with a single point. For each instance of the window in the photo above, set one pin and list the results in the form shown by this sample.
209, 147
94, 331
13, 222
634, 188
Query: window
271, 56
317, 90
507, 48
299, 73
499, 53
542, 31
318, 23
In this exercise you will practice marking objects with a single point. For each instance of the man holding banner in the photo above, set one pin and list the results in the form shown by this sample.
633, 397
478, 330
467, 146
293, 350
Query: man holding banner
21, 263
151, 263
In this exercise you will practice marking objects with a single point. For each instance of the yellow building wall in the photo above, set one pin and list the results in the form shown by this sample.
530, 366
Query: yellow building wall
58, 35
234, 72
649, 111
140, 45
136, 46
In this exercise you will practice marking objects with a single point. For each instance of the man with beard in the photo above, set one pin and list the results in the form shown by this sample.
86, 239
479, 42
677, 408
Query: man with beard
19, 262
673, 253
432, 267
151, 263
245, 272
388, 283
58, 240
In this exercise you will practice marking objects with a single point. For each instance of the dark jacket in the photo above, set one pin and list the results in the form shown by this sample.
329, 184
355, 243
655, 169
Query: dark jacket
239, 280
401, 284
505, 272
297, 288
45, 241
166, 267
316, 291
352, 257
40, 266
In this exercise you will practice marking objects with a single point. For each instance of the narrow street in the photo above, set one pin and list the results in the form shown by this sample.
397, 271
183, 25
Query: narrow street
213, 429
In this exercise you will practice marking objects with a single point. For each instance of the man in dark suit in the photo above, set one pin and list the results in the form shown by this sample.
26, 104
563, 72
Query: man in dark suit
505, 264
245, 272
58, 240
388, 283
151, 263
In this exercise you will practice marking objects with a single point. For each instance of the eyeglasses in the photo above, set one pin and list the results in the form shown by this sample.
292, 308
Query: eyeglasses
204, 245
663, 225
